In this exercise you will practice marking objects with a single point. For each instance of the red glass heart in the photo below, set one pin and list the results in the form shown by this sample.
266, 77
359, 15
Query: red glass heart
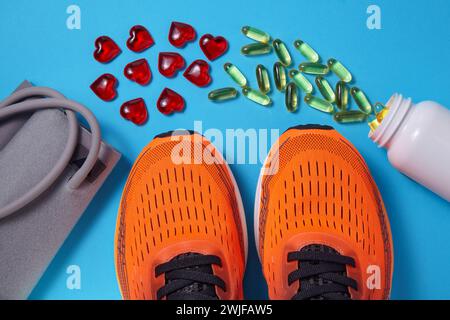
181, 33
105, 49
134, 111
169, 102
140, 39
169, 63
105, 87
138, 71
198, 73
213, 47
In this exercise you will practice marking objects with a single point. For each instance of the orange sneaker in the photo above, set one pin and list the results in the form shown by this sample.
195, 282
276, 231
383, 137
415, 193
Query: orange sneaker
181, 231
320, 224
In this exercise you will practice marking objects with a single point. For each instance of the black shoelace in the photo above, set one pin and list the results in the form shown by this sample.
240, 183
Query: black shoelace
190, 277
322, 274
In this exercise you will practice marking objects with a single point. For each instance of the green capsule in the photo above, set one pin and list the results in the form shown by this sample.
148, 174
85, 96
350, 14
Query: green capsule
325, 89
306, 51
255, 34
222, 94
282, 52
279, 75
256, 49
256, 96
313, 68
262, 77
341, 95
291, 97
235, 74
301, 81
319, 104
339, 69
350, 116
361, 100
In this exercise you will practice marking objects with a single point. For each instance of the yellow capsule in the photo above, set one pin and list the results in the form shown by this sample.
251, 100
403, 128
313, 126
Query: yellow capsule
381, 111
373, 122
262, 77
282, 52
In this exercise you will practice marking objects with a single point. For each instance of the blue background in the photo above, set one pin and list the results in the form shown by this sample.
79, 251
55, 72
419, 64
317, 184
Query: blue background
409, 55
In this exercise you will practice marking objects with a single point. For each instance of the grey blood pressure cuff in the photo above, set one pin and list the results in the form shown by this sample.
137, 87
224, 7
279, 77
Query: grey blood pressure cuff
31, 144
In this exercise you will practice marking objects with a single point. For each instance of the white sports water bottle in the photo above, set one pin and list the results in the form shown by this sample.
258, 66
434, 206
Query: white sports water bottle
417, 139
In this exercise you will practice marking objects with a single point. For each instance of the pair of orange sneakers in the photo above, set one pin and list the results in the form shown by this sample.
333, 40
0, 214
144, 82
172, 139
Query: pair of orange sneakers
321, 229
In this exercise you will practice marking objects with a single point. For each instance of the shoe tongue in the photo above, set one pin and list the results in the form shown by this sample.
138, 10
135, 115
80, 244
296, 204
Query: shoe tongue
314, 281
195, 287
